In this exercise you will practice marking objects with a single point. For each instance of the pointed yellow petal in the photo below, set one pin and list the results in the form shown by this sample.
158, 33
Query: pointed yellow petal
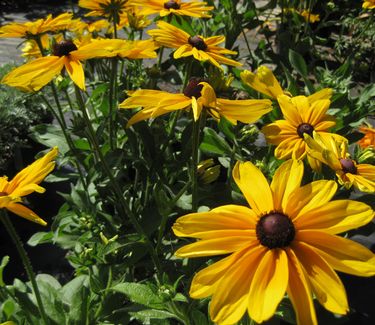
254, 187
26, 213
75, 71
268, 285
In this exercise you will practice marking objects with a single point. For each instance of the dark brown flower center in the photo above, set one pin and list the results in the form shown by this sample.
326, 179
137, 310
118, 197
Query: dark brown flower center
348, 166
197, 42
193, 88
3, 194
64, 48
171, 4
305, 128
275, 230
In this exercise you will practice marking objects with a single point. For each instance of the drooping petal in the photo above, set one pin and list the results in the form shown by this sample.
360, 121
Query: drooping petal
75, 71
26, 213
268, 285
287, 178
254, 187
309, 197
321, 277
230, 300
299, 292
336, 217
342, 254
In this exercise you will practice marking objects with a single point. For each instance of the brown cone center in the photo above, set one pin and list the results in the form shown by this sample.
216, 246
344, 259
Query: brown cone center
197, 42
275, 230
3, 194
64, 48
171, 5
193, 88
305, 128
348, 166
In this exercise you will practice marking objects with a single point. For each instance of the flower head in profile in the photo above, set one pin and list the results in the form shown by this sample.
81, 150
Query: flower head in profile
164, 8
35, 74
133, 18
368, 4
24, 183
302, 115
202, 49
309, 17
369, 139
111, 9
334, 153
32, 29
285, 242
198, 95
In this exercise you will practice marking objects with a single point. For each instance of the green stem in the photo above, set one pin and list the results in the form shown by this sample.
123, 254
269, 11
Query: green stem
188, 69
112, 100
25, 260
194, 164
115, 187
248, 45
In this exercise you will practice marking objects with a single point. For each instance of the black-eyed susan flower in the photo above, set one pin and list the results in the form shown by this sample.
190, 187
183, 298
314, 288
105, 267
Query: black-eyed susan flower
111, 9
32, 29
133, 18
369, 139
164, 8
368, 4
301, 115
34, 75
334, 153
286, 242
202, 49
309, 17
24, 183
196, 96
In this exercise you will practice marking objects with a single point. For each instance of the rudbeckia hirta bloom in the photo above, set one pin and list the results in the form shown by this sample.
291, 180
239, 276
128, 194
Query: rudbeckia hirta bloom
334, 153
164, 8
369, 139
196, 96
368, 4
286, 242
104, 8
32, 29
24, 183
202, 49
33, 75
301, 116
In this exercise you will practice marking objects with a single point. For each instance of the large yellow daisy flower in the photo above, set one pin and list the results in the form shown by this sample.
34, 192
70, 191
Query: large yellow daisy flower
285, 243
31, 29
202, 49
368, 4
164, 8
335, 154
34, 75
104, 8
197, 95
26, 182
302, 115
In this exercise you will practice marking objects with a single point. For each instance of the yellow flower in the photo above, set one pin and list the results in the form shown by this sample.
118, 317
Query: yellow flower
164, 8
369, 139
208, 172
134, 19
311, 18
33, 75
263, 81
111, 9
202, 49
285, 243
302, 115
35, 28
24, 183
368, 4
334, 153
197, 95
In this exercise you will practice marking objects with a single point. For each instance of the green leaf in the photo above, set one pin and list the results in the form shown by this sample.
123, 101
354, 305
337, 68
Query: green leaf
146, 315
298, 62
214, 143
50, 135
140, 293
8, 308
3, 264
40, 238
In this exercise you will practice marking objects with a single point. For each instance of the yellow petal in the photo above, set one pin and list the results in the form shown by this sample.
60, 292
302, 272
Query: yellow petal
254, 187
289, 109
231, 295
336, 217
299, 292
268, 285
321, 277
26, 213
75, 71
325, 93
287, 178
309, 197
342, 254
